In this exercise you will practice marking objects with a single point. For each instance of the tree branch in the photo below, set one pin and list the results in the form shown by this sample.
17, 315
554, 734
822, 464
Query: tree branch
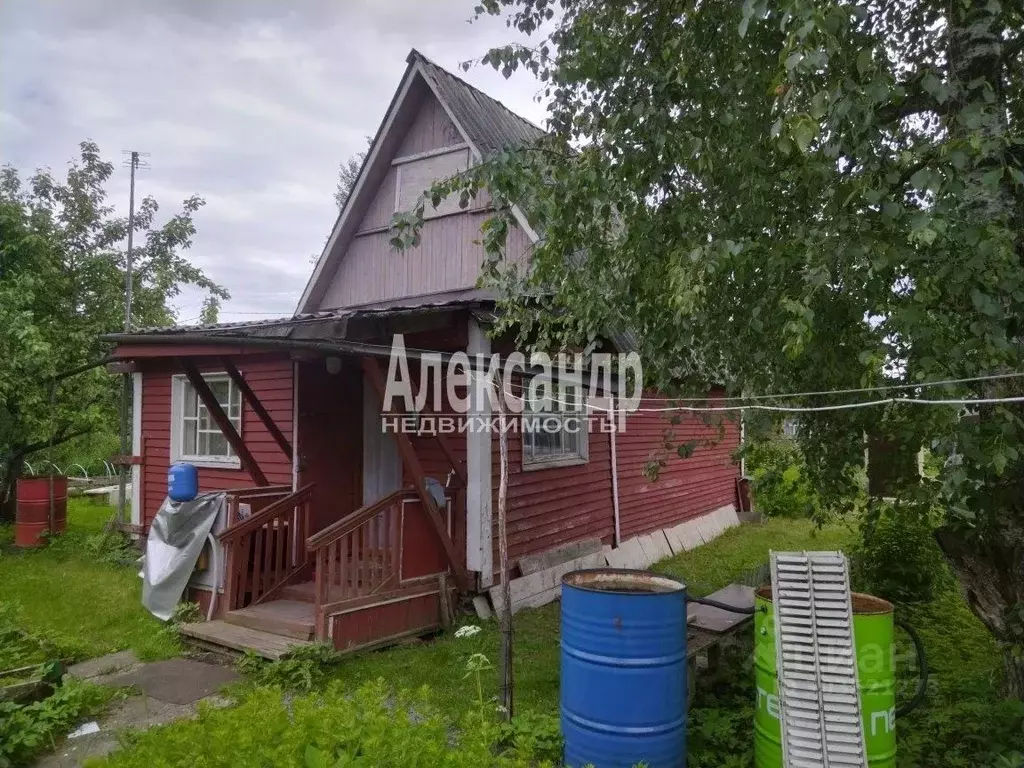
59, 439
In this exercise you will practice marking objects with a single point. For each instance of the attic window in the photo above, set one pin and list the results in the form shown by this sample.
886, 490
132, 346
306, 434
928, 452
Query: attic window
416, 174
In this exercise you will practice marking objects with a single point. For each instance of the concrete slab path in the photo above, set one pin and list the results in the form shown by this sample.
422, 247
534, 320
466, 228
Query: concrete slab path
170, 690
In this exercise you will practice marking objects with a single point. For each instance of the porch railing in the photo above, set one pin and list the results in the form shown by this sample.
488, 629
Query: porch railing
357, 556
255, 498
265, 551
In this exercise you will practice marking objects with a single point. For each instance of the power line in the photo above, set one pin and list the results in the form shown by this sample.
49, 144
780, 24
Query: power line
772, 408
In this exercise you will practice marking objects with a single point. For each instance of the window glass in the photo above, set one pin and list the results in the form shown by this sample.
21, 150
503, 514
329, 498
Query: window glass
201, 438
555, 432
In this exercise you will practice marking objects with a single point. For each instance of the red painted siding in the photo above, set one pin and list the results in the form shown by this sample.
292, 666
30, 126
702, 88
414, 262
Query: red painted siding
270, 377
685, 488
551, 507
376, 624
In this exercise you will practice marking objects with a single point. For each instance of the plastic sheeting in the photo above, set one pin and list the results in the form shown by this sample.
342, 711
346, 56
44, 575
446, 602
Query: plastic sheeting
176, 539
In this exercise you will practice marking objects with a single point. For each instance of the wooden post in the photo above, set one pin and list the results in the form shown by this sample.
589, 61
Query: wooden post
257, 407
412, 463
505, 653
223, 422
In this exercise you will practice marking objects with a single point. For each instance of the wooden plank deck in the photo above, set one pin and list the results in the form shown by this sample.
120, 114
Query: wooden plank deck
221, 633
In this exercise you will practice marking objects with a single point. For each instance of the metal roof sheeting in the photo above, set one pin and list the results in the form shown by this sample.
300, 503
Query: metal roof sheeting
489, 124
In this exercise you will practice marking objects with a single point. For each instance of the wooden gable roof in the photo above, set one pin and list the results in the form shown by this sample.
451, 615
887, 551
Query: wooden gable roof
485, 124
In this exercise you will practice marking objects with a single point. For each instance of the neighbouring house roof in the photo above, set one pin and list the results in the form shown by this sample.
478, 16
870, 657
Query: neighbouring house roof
485, 124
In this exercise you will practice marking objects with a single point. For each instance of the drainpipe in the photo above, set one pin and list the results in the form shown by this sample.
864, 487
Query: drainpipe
615, 469
743, 444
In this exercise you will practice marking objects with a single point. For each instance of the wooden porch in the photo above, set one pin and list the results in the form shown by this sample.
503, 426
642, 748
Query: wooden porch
368, 580
385, 571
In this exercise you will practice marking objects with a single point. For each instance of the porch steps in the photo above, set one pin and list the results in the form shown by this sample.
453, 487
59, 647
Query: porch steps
224, 635
289, 618
303, 593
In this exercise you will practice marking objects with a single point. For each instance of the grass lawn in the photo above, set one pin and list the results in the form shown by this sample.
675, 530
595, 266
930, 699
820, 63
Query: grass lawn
964, 722
74, 597
71, 596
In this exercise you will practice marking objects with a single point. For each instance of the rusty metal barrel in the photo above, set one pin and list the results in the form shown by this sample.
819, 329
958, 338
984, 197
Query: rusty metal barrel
32, 516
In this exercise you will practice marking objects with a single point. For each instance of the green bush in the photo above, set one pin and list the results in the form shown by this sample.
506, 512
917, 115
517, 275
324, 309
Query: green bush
779, 479
302, 669
26, 731
335, 728
897, 556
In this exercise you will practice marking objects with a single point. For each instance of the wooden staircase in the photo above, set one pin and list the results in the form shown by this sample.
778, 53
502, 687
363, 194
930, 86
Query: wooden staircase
359, 597
268, 629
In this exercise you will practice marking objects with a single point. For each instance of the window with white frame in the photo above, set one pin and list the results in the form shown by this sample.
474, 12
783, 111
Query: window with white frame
555, 431
197, 436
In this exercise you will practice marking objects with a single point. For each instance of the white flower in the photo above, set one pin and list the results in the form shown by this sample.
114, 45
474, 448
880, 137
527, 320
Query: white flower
467, 631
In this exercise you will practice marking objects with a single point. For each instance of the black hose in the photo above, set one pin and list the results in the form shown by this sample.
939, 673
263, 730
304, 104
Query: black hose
922, 662
722, 606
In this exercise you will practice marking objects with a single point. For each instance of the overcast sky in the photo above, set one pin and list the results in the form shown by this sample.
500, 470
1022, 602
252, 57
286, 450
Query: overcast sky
251, 104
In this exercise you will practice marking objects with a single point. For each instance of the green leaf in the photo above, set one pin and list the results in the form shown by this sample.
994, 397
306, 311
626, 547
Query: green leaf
864, 61
804, 130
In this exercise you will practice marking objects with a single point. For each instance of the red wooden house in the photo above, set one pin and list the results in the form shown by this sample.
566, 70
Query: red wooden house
334, 528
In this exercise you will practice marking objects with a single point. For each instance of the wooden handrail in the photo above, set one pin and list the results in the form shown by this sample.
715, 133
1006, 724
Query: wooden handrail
259, 490
350, 522
261, 518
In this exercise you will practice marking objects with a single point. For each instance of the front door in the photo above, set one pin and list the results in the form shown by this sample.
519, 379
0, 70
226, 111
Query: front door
330, 437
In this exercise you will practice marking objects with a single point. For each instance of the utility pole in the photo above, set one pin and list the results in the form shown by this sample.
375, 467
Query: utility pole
132, 162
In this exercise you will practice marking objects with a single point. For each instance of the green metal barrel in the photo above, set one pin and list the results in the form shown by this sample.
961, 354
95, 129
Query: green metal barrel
873, 638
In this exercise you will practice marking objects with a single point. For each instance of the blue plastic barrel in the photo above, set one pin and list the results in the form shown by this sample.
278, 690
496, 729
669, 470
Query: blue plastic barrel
182, 481
623, 669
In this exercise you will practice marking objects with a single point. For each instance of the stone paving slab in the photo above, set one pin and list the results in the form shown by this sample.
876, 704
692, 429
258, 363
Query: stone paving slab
122, 661
177, 681
136, 713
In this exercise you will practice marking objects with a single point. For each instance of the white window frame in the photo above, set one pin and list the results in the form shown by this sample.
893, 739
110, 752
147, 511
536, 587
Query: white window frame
558, 410
179, 386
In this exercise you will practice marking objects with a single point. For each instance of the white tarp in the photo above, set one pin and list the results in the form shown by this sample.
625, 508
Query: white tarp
176, 539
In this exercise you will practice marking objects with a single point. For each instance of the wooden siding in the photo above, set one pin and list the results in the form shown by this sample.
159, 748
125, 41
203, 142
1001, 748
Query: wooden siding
551, 507
430, 129
448, 258
270, 378
382, 208
685, 488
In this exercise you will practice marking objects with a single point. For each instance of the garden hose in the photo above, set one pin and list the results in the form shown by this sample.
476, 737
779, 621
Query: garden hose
922, 683
722, 606
922, 661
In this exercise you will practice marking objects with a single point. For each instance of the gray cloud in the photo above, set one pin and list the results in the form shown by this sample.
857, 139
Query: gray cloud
250, 104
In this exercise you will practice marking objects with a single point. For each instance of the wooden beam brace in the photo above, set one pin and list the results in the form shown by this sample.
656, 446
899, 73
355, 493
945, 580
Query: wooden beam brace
222, 421
411, 461
257, 407
445, 444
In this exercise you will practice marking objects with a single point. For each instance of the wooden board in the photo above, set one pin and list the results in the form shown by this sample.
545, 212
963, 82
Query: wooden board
543, 560
715, 619
264, 644
545, 586
629, 554
292, 618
